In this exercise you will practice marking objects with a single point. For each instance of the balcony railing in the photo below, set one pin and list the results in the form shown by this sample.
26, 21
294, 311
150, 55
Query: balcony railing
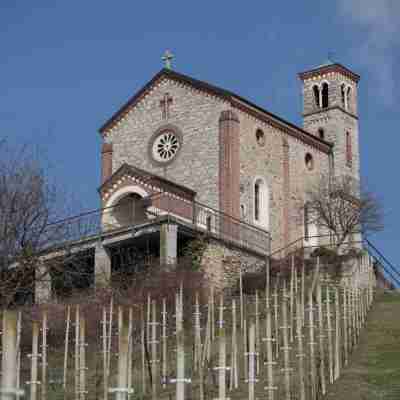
133, 212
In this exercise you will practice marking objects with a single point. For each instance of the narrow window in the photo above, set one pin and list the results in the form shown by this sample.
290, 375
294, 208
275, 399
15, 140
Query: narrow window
260, 137
309, 161
348, 97
349, 151
343, 95
325, 95
321, 133
316, 95
257, 201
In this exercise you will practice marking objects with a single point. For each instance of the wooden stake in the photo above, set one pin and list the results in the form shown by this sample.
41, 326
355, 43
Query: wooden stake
303, 303
300, 348
34, 361
222, 353
18, 377
270, 359
164, 344
143, 334
212, 302
130, 349
291, 300
105, 355
197, 334
123, 351
286, 348
66, 344
154, 360
110, 326
180, 352
312, 343
276, 321
252, 355
241, 299
337, 335
77, 353
345, 327
321, 340
329, 332
234, 378
44, 356
82, 358
257, 321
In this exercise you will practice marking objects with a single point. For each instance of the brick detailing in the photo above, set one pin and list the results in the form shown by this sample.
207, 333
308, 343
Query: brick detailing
106, 161
286, 191
229, 164
349, 151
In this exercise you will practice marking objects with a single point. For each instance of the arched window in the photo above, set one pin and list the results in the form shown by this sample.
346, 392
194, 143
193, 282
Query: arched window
348, 97
261, 203
349, 151
325, 95
316, 96
321, 133
343, 95
309, 161
260, 137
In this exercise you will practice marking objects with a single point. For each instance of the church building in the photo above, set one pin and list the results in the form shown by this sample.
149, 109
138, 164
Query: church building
184, 158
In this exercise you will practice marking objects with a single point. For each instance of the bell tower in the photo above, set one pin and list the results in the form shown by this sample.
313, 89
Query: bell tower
330, 112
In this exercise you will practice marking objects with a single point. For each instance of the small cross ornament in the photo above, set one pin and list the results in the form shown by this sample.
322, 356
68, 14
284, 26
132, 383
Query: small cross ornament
167, 58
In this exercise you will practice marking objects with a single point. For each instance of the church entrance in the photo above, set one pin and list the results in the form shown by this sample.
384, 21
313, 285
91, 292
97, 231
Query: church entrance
130, 210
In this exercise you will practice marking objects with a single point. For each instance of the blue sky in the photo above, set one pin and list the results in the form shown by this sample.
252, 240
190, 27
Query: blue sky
66, 66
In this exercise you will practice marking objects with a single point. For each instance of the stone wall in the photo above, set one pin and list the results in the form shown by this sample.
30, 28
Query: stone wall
196, 115
221, 264
269, 162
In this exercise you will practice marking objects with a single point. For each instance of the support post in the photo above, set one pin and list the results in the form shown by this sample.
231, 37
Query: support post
168, 244
102, 266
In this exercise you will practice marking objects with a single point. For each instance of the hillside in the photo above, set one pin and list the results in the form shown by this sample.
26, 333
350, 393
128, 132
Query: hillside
374, 369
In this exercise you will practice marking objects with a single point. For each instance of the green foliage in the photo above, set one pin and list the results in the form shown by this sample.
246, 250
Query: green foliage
194, 252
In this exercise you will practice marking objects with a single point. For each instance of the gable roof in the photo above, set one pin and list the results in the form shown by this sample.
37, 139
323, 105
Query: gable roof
235, 100
329, 67
146, 177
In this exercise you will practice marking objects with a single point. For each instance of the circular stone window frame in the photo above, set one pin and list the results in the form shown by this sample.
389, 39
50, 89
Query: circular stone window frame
164, 129
309, 161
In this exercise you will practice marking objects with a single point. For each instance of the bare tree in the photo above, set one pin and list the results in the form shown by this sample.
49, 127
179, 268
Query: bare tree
340, 207
29, 202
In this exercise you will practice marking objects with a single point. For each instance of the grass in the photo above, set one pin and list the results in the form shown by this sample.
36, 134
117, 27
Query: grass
374, 368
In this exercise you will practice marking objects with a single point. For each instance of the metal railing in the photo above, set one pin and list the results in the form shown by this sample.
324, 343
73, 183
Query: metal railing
135, 213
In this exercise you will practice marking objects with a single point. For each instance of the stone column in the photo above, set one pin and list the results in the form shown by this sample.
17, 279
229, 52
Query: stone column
42, 284
102, 266
168, 244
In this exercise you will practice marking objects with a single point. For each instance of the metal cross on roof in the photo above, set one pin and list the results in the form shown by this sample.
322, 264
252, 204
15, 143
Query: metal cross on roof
167, 58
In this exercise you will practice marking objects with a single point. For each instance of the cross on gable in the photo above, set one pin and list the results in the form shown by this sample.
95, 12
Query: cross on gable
164, 104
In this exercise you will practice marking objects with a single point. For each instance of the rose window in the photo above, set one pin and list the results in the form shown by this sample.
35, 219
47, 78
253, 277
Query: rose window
165, 146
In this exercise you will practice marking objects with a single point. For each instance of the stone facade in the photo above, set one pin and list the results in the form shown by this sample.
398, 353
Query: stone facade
196, 115
222, 159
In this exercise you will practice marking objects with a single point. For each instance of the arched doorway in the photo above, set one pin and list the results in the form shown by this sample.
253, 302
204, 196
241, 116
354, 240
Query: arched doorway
130, 210
124, 208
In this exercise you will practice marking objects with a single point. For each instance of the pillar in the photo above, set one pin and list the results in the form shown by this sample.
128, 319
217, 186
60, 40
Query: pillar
102, 266
42, 284
168, 244
229, 164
